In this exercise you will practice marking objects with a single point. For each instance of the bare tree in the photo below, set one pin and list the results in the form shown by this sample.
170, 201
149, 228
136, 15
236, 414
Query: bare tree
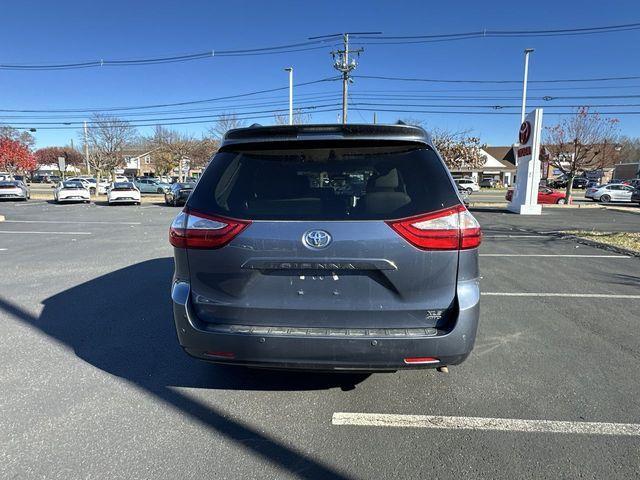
584, 141
225, 122
459, 150
107, 137
299, 118
23, 137
629, 149
173, 148
203, 151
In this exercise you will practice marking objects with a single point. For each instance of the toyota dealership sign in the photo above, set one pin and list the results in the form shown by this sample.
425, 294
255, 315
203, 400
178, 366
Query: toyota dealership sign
525, 196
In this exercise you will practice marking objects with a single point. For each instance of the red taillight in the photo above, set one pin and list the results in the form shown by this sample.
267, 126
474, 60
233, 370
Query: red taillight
449, 229
420, 360
199, 230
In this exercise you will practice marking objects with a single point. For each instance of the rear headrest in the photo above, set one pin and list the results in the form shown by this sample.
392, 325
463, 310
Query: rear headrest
384, 183
278, 183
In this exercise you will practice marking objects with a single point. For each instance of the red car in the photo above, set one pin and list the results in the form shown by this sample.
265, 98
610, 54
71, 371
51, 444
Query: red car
545, 196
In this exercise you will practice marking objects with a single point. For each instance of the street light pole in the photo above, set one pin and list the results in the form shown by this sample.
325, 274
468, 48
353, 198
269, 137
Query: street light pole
527, 51
290, 70
86, 148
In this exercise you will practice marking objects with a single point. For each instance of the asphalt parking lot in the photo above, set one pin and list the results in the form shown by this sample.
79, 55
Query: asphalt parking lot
93, 383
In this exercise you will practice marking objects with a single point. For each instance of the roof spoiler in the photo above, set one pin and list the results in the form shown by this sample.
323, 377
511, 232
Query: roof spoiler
288, 133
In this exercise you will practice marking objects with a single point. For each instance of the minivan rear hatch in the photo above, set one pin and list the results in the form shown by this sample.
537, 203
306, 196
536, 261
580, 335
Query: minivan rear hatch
310, 234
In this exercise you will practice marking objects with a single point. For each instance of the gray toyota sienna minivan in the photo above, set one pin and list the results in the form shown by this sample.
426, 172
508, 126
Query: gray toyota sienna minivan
331, 247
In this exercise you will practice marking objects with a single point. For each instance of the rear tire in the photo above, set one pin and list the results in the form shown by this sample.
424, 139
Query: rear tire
605, 198
469, 191
561, 201
159, 191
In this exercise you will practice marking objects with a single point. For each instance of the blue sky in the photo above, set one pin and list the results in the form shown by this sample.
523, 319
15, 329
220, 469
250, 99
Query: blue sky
34, 32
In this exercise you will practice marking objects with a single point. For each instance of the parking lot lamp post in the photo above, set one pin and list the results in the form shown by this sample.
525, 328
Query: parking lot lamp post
86, 148
527, 51
290, 70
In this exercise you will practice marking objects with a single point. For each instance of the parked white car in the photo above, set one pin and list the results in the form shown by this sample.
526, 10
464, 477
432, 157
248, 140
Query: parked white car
68, 191
92, 183
123, 192
468, 184
614, 192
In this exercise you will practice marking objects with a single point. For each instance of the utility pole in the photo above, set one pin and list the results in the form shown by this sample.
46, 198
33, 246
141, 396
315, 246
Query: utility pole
290, 70
527, 51
343, 64
86, 148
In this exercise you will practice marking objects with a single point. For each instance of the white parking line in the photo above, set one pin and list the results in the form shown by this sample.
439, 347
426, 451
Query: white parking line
557, 294
550, 255
28, 204
72, 221
480, 423
3, 249
45, 233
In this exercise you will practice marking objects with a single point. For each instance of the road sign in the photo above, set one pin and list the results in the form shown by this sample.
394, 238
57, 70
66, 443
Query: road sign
62, 164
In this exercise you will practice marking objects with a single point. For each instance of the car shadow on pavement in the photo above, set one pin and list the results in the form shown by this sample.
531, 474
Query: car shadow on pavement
126, 328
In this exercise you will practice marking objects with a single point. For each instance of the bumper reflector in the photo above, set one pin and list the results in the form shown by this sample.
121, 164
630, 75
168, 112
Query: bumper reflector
420, 360
220, 354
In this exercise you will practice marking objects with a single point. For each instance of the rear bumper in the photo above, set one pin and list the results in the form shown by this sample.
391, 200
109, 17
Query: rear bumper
124, 200
12, 195
74, 199
328, 352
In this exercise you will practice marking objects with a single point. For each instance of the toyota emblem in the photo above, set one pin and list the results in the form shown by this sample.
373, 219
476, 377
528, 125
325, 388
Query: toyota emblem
316, 239
525, 132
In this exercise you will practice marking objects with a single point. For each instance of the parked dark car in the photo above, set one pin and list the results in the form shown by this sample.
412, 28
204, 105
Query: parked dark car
488, 183
178, 193
635, 196
561, 182
331, 247
580, 182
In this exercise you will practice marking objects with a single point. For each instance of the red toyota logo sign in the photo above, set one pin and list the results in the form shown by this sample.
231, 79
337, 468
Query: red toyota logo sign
525, 132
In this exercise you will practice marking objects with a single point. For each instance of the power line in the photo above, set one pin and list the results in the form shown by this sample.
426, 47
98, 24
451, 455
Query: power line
484, 33
496, 107
482, 90
433, 80
278, 49
220, 108
444, 112
316, 43
273, 111
162, 105
153, 124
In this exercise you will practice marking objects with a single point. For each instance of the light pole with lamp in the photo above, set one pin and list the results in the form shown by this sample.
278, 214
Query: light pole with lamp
290, 70
527, 51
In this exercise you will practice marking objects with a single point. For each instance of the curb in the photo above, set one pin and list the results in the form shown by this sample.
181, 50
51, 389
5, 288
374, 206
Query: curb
593, 243
635, 211
544, 206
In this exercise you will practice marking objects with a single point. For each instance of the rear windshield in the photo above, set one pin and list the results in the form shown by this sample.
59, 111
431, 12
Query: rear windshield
325, 184
123, 186
72, 185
